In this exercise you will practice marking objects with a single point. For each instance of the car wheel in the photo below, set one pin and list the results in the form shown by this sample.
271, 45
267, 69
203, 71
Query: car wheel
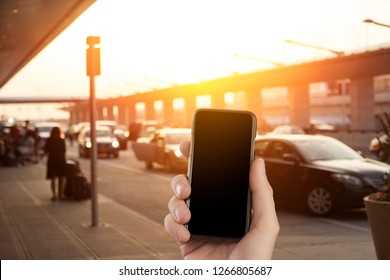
320, 201
381, 155
81, 153
149, 165
168, 164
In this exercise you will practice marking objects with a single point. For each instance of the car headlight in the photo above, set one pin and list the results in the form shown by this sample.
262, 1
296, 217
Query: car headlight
348, 180
178, 153
115, 144
88, 144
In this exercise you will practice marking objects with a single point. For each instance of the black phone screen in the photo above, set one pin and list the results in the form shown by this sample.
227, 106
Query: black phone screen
221, 154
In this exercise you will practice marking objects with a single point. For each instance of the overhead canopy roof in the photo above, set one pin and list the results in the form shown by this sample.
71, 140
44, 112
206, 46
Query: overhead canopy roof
28, 26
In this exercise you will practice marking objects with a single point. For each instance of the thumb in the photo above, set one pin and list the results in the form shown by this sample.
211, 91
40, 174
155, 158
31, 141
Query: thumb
263, 205
260, 241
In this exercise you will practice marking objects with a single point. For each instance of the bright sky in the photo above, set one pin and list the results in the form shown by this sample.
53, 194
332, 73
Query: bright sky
152, 43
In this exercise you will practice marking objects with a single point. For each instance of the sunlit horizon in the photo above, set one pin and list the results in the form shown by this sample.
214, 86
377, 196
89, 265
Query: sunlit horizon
155, 44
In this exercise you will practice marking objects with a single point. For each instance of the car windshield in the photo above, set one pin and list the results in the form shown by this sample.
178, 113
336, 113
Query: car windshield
99, 133
44, 128
327, 149
177, 138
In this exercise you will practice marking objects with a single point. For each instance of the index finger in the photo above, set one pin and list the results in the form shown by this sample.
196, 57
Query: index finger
181, 187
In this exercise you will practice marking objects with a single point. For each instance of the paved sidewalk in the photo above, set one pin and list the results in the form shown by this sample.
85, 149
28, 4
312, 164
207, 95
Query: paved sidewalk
34, 227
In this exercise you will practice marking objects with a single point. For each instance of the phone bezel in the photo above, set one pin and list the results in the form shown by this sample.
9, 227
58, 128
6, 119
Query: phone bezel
190, 165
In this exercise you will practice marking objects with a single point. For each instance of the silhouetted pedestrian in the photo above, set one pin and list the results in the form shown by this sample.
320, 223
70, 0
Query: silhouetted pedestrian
70, 134
56, 164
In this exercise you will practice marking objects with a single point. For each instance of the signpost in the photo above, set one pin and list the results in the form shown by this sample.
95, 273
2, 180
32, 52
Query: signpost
93, 69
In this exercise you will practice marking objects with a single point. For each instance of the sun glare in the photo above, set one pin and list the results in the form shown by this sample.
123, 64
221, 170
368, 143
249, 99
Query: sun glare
191, 43
198, 40
150, 44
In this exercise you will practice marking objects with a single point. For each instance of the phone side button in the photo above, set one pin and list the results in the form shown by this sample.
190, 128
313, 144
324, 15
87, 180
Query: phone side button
188, 205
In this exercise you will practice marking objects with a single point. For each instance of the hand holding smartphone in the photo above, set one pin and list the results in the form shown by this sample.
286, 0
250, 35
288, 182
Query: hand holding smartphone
220, 157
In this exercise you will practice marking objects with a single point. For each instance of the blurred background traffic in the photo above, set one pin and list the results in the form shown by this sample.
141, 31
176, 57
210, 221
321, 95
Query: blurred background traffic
305, 68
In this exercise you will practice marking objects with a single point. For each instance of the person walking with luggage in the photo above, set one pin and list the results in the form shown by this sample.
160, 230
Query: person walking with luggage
56, 164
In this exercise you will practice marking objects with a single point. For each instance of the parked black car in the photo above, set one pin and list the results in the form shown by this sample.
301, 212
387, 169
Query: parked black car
122, 134
319, 172
143, 129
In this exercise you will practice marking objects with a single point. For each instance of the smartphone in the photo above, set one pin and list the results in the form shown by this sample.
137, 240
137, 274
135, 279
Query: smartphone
220, 157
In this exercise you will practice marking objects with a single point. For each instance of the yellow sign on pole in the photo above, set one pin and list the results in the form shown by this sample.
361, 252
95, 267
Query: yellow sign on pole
93, 56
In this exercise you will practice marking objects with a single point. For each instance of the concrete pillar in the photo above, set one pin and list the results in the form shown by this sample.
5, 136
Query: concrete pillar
190, 107
72, 117
110, 112
218, 100
121, 113
168, 111
80, 116
131, 118
299, 105
362, 104
125, 114
149, 110
100, 115
255, 105
77, 117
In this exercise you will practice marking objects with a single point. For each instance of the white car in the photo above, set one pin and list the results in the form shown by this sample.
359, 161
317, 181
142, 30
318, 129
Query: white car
287, 129
319, 125
106, 142
163, 148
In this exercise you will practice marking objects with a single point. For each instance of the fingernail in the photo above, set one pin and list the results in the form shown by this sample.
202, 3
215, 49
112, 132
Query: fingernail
178, 188
262, 166
181, 235
179, 214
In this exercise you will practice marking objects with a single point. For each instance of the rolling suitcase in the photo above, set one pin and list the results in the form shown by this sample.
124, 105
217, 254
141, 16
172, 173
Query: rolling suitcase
77, 186
81, 187
72, 169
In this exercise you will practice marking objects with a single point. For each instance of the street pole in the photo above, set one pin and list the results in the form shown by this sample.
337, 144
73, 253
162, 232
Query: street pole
338, 53
278, 64
93, 69
368, 20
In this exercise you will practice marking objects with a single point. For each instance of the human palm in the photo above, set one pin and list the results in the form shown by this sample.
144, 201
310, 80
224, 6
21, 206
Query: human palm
258, 243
